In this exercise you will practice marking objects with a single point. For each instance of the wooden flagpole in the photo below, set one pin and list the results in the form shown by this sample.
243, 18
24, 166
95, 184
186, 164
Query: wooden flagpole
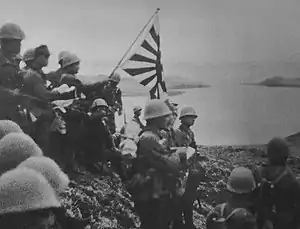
133, 43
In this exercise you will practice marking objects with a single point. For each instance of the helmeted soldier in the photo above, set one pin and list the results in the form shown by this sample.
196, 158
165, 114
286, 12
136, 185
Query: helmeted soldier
35, 85
113, 96
170, 131
98, 141
156, 173
55, 76
279, 191
184, 135
28, 58
70, 64
240, 184
27, 200
11, 36
134, 126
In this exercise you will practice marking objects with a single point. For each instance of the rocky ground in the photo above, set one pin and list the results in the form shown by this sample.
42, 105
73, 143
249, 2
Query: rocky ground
105, 201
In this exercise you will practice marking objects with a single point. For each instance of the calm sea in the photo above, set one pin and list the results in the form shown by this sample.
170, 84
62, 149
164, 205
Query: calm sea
237, 114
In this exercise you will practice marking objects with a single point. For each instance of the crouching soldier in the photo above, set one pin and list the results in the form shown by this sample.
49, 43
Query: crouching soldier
59, 181
238, 211
279, 191
98, 140
155, 175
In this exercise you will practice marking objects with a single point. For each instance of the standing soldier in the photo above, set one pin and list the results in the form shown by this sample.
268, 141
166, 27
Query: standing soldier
11, 36
35, 85
156, 175
28, 58
70, 66
170, 131
185, 138
184, 135
135, 126
55, 76
113, 96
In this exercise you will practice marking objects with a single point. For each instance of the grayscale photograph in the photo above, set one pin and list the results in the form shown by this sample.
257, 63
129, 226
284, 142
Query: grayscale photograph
150, 114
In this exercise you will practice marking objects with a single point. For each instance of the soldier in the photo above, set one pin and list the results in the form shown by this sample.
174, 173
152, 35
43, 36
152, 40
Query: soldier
28, 58
279, 190
70, 66
11, 36
55, 76
135, 126
170, 132
155, 174
184, 135
99, 142
113, 96
35, 85
27, 200
240, 184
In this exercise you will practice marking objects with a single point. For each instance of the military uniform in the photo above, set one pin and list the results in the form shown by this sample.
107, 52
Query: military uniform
185, 137
159, 178
241, 184
9, 73
54, 77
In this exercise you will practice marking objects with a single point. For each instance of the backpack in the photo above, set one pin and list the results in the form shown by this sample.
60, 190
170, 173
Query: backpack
238, 218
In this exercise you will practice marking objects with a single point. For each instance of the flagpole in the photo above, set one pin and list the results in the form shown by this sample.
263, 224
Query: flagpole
143, 29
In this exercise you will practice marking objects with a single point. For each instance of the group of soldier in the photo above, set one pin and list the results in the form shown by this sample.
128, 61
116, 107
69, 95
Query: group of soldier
152, 159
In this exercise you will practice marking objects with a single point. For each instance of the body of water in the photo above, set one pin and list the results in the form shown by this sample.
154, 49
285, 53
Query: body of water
237, 114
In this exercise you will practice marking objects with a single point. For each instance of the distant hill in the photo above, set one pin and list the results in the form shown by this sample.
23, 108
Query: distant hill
278, 81
129, 87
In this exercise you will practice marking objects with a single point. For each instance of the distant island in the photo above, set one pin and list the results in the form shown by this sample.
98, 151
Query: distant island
278, 81
176, 85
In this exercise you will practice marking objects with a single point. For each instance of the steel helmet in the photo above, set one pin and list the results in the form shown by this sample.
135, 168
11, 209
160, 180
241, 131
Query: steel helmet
50, 170
11, 31
187, 111
7, 126
136, 109
115, 77
16, 148
98, 103
69, 59
62, 54
156, 108
29, 54
241, 180
23, 190
277, 150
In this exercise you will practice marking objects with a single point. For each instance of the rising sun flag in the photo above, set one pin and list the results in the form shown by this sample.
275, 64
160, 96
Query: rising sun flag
143, 59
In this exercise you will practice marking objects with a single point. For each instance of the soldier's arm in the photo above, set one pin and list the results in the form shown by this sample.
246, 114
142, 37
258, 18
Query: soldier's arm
40, 90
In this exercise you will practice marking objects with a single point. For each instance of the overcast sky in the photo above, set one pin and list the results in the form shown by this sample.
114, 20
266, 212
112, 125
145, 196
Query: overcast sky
100, 31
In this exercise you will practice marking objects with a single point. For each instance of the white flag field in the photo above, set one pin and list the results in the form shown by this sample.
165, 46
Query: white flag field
143, 62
